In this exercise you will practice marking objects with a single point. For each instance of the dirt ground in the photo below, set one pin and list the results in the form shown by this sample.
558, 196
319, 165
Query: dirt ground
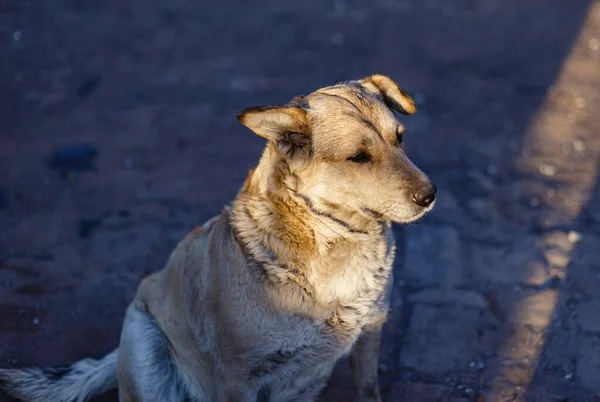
118, 134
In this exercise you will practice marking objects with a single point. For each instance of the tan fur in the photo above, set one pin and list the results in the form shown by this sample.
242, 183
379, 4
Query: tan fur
260, 302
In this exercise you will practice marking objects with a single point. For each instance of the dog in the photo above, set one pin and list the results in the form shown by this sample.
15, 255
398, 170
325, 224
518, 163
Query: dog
259, 303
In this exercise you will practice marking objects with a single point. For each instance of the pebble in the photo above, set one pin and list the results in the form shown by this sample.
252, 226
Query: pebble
573, 236
568, 376
594, 44
579, 145
547, 170
17, 35
580, 102
36, 321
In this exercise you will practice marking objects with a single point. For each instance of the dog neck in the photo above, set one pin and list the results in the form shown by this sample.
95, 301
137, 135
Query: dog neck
279, 225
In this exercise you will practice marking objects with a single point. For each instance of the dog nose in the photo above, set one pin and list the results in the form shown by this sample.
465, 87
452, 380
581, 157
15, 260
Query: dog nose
425, 196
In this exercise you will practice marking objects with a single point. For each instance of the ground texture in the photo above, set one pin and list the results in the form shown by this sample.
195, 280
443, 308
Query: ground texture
497, 295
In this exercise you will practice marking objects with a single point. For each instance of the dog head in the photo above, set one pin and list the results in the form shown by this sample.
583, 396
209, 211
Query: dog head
343, 147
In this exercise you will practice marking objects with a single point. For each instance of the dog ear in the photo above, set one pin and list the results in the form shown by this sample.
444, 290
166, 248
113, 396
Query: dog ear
394, 96
285, 126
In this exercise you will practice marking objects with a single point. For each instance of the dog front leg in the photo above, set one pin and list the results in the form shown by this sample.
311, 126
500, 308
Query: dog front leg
364, 359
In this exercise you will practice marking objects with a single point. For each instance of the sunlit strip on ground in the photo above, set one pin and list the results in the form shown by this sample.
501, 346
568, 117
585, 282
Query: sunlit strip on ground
556, 127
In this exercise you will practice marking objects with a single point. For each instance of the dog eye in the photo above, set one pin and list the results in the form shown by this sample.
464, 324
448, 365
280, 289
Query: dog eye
361, 157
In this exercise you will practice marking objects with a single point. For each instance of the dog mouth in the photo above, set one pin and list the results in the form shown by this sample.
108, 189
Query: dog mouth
417, 213
423, 211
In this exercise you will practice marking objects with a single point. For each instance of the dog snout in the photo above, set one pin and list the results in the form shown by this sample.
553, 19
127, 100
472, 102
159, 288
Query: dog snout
425, 196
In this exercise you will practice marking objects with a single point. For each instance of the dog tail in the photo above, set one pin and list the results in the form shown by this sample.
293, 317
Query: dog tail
75, 383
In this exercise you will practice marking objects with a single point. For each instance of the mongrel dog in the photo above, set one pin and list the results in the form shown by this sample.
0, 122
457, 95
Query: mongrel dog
261, 301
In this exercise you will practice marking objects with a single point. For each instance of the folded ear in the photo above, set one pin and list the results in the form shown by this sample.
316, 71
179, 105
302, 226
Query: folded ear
285, 126
394, 96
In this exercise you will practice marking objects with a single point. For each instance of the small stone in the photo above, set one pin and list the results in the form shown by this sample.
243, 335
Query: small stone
535, 202
568, 376
579, 145
580, 102
594, 44
382, 369
573, 236
17, 35
547, 170
36, 321
338, 38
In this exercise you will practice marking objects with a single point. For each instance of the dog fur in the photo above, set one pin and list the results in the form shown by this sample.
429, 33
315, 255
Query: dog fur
259, 303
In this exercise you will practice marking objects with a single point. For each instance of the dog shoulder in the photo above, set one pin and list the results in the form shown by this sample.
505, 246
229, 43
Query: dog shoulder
190, 251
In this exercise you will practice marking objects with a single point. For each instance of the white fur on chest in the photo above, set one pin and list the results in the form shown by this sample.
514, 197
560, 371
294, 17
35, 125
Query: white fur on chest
357, 284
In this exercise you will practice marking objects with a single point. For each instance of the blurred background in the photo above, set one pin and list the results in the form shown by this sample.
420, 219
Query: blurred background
118, 134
